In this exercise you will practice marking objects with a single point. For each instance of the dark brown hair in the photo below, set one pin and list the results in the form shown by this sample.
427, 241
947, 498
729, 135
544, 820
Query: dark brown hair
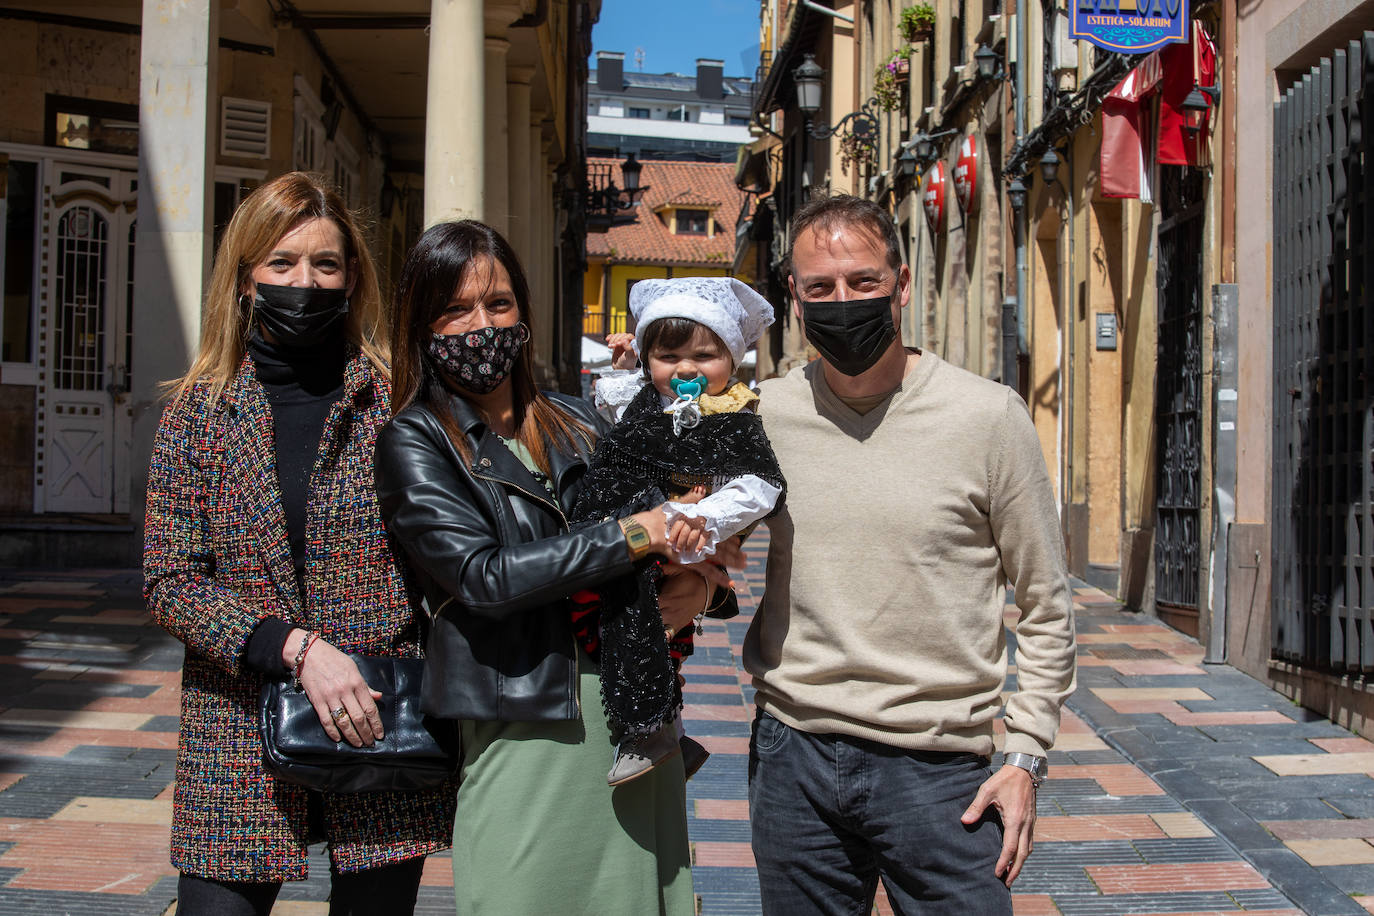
433, 271
825, 213
672, 332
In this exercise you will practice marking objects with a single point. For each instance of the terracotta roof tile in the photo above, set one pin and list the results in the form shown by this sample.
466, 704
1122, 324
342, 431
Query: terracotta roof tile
691, 199
700, 185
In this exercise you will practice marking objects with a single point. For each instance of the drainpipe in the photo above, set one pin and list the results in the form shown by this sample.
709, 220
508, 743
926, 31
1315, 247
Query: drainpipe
1071, 327
1022, 217
813, 5
1225, 379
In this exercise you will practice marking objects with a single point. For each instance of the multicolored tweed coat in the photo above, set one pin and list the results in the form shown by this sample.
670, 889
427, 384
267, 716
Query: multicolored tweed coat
216, 561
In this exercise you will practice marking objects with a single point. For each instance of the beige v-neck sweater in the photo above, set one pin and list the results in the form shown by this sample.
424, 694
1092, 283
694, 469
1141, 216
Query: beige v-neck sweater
883, 614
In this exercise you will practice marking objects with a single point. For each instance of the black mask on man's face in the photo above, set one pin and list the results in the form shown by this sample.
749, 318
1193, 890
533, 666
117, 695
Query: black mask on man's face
300, 316
850, 335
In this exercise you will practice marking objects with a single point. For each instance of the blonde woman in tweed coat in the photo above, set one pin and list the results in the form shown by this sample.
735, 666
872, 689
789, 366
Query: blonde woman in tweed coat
266, 555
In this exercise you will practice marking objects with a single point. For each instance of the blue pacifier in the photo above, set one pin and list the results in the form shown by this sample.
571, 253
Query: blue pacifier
688, 389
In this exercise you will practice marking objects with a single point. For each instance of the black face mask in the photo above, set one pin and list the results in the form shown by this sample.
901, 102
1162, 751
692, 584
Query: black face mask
851, 335
300, 317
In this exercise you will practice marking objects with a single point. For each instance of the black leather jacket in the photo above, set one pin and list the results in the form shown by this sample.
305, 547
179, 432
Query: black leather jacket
493, 556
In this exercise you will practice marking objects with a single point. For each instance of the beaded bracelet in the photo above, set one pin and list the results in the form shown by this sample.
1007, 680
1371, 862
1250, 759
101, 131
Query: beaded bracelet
307, 641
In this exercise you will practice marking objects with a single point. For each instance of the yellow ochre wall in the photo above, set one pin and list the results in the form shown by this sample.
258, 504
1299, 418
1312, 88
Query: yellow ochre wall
596, 289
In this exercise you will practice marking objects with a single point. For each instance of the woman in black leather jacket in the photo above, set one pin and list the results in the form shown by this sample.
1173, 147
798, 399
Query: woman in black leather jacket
476, 474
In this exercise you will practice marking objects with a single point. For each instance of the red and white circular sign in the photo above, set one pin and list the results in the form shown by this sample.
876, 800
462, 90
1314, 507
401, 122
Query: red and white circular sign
933, 196
966, 175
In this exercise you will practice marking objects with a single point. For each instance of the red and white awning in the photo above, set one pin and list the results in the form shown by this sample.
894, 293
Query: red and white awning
1136, 133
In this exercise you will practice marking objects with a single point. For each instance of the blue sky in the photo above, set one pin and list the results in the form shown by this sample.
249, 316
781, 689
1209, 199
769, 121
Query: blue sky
674, 34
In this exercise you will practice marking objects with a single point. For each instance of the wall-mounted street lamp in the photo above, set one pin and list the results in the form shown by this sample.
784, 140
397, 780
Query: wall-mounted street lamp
907, 163
606, 204
923, 144
1196, 107
1016, 193
989, 63
629, 170
809, 78
1049, 166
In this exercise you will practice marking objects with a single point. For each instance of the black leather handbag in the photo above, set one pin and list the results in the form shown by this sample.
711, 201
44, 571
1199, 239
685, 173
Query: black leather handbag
417, 752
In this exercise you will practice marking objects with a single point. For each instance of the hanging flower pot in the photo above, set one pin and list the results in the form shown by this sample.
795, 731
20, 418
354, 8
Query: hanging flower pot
886, 89
917, 23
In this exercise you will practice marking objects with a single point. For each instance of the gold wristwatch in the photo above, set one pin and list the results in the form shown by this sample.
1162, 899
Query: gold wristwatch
637, 537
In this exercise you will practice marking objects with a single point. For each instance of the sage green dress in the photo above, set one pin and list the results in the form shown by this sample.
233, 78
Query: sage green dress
538, 830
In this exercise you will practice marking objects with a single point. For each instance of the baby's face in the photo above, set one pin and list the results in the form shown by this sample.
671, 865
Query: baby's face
703, 354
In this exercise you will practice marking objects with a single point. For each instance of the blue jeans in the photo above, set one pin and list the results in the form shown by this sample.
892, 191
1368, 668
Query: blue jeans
831, 815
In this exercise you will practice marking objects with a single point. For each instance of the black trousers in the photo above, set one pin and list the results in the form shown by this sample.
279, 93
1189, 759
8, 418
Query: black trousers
387, 889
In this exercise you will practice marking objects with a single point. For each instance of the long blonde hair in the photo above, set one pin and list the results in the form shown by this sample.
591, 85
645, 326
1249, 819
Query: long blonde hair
260, 222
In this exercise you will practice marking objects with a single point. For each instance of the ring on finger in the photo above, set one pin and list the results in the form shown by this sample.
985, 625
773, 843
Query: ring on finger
338, 715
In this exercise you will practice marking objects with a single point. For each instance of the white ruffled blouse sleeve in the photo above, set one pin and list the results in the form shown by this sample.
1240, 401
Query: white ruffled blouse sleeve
728, 511
615, 389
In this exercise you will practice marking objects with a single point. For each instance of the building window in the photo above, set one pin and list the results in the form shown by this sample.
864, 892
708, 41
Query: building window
693, 222
639, 113
342, 166
19, 206
229, 193
103, 127
737, 120
621, 321
308, 146
956, 34
679, 113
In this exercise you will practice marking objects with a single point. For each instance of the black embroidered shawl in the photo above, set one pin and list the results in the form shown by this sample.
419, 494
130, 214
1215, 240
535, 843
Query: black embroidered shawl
635, 467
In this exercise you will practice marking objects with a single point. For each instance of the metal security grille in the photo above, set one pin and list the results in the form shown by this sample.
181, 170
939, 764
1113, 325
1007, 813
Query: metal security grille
1178, 396
1323, 534
82, 248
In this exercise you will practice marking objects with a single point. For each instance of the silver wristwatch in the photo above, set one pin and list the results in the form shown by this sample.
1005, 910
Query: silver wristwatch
1037, 767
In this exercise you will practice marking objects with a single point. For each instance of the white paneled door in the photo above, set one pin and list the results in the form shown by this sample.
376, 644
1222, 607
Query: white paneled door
85, 320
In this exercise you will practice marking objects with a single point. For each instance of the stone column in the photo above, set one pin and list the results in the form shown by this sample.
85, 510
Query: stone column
543, 202
455, 112
521, 224
539, 191
495, 128
177, 127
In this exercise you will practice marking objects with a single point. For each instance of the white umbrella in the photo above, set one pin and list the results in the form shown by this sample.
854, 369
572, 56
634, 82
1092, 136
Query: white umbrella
594, 353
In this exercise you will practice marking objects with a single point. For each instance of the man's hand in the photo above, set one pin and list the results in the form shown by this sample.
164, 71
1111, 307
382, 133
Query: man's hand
622, 350
1011, 792
684, 592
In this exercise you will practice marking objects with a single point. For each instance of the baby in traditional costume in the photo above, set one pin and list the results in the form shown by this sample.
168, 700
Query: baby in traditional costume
685, 425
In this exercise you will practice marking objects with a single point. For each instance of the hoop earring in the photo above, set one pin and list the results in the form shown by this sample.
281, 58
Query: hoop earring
245, 301
526, 334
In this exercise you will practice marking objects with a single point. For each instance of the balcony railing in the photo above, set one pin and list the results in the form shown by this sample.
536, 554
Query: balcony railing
596, 323
760, 74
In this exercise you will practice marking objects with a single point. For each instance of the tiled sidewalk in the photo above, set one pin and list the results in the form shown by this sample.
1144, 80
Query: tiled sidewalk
1176, 787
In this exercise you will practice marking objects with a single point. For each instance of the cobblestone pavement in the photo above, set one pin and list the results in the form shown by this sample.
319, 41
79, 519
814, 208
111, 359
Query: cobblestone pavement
1175, 787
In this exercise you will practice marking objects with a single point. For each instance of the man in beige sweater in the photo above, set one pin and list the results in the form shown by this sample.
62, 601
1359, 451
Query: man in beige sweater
916, 493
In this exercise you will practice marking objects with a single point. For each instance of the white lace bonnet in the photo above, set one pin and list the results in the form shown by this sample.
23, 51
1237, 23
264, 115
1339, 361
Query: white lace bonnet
727, 306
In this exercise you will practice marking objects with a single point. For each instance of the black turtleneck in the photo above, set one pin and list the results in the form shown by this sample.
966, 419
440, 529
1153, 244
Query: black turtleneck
301, 386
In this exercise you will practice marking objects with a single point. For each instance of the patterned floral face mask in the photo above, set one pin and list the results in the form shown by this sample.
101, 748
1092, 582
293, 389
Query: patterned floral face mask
480, 360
